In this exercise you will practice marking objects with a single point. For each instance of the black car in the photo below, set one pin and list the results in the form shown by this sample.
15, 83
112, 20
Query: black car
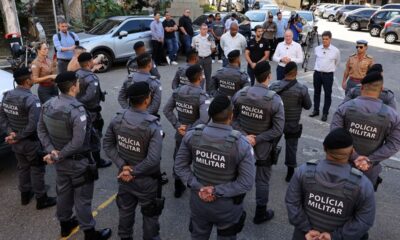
359, 19
346, 8
391, 6
377, 21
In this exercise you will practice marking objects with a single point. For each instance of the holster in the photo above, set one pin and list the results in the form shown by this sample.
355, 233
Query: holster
90, 175
296, 133
275, 151
98, 124
237, 200
155, 207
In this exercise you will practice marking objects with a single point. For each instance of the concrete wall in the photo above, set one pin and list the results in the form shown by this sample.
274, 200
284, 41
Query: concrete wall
178, 7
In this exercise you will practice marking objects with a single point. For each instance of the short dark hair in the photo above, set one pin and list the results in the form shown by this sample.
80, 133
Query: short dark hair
211, 16
234, 15
223, 116
21, 80
218, 14
143, 60
155, 13
263, 76
327, 34
257, 27
66, 86
192, 54
279, 12
39, 46
135, 101
193, 78
138, 45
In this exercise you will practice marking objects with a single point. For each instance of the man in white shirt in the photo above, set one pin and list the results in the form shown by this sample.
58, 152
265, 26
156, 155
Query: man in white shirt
327, 59
232, 40
229, 21
287, 51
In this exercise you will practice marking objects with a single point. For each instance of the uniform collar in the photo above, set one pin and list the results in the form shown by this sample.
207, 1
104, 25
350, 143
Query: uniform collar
257, 84
232, 66
219, 125
23, 89
194, 86
335, 164
65, 96
328, 48
142, 72
137, 110
370, 99
288, 44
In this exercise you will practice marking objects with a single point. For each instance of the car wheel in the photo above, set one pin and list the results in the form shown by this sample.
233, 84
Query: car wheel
354, 26
107, 61
390, 38
375, 31
331, 18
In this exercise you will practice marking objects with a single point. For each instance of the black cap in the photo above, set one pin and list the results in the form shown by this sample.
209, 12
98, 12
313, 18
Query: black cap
66, 77
233, 54
22, 72
138, 89
84, 57
377, 67
192, 70
219, 104
262, 67
338, 138
290, 66
138, 45
372, 77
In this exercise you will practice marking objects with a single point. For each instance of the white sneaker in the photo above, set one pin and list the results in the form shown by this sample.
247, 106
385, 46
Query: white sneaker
174, 63
219, 61
213, 61
168, 60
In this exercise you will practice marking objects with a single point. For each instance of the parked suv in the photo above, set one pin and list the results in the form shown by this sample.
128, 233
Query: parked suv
391, 30
346, 8
377, 21
6, 83
115, 37
359, 19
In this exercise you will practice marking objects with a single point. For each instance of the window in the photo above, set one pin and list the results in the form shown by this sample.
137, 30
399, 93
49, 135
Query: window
393, 14
397, 20
391, 6
146, 24
367, 13
381, 15
132, 26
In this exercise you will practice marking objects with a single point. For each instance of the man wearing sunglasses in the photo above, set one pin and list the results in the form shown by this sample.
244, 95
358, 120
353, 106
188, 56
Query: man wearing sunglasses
357, 66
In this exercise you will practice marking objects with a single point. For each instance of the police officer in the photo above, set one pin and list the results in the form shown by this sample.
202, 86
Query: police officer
387, 96
145, 64
328, 199
295, 97
19, 113
357, 66
223, 171
90, 94
375, 127
64, 130
180, 78
229, 79
134, 141
191, 104
132, 66
259, 115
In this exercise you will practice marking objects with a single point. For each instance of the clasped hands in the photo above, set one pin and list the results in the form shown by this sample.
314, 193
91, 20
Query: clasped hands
10, 139
251, 139
316, 235
49, 158
182, 129
207, 194
126, 174
362, 163
286, 60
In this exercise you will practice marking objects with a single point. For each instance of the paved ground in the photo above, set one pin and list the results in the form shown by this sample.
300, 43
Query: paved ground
17, 222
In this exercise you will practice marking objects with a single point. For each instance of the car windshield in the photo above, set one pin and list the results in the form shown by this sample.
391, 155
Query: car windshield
306, 16
105, 27
256, 16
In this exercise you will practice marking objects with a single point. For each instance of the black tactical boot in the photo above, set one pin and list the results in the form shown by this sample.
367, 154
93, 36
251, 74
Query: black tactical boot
68, 226
289, 175
100, 162
26, 197
102, 234
262, 215
179, 188
45, 202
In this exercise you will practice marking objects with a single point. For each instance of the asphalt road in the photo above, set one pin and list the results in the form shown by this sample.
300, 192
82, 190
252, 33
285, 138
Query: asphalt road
17, 222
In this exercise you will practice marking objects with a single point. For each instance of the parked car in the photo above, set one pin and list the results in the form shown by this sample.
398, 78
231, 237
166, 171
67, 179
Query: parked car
346, 8
331, 6
309, 17
358, 19
6, 84
391, 6
258, 17
321, 8
391, 30
377, 21
260, 3
115, 37
330, 13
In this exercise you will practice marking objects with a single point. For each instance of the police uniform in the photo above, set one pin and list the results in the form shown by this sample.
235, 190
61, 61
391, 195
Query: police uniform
228, 80
180, 78
259, 111
155, 86
133, 67
64, 126
375, 128
134, 138
19, 113
221, 157
331, 197
295, 97
387, 96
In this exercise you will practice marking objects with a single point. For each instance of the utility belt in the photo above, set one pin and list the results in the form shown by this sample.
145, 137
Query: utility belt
90, 175
155, 207
273, 154
357, 80
80, 156
94, 110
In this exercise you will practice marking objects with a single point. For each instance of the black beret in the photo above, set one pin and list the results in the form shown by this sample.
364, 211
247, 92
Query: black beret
372, 77
138, 45
22, 72
338, 138
261, 67
219, 104
290, 66
362, 42
233, 54
377, 67
138, 89
66, 77
192, 70
84, 57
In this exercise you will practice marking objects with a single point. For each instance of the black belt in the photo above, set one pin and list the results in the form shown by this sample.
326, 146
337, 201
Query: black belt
63, 60
80, 156
324, 72
205, 57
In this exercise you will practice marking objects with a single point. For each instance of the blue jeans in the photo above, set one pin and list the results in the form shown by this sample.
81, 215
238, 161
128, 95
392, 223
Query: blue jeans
250, 72
187, 41
279, 73
172, 46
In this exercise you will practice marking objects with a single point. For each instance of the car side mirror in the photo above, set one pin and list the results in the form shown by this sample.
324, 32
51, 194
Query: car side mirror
123, 34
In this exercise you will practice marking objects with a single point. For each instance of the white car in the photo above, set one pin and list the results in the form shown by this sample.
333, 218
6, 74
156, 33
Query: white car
258, 17
6, 83
330, 13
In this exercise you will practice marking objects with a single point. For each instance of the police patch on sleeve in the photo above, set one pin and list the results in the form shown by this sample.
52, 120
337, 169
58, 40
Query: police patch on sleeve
160, 88
96, 83
161, 132
38, 105
83, 118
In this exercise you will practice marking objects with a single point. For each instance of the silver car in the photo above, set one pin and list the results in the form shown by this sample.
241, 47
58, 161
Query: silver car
115, 37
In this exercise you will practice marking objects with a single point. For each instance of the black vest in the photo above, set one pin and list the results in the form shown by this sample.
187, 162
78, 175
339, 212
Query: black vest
187, 106
14, 107
229, 82
292, 102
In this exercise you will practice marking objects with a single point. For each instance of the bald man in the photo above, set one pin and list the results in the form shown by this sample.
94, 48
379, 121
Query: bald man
232, 40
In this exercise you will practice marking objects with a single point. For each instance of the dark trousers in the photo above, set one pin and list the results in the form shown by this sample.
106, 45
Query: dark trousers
45, 93
62, 65
324, 80
279, 73
206, 63
220, 51
271, 46
252, 77
158, 52
350, 84
263, 175
291, 151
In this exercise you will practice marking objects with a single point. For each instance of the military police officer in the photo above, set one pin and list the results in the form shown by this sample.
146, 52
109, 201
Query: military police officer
90, 94
191, 104
229, 79
132, 66
259, 115
223, 171
328, 199
19, 113
64, 130
375, 127
387, 96
295, 97
180, 76
145, 64
134, 141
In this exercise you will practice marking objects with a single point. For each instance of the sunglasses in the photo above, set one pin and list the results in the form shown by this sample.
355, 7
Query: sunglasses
359, 47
